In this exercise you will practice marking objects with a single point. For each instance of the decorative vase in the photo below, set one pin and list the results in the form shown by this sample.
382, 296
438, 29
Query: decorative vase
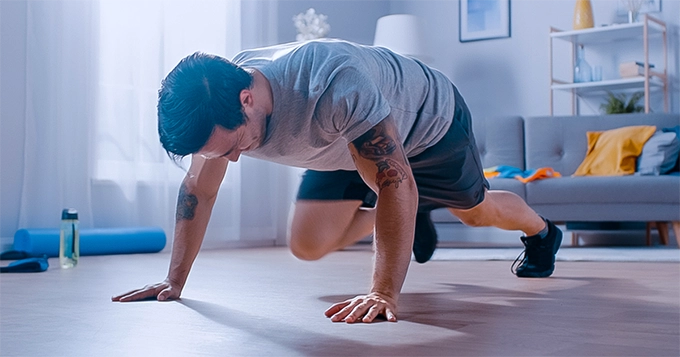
582, 70
583, 15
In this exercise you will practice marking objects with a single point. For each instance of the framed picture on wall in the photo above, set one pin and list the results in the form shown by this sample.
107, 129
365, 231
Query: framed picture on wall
643, 6
483, 19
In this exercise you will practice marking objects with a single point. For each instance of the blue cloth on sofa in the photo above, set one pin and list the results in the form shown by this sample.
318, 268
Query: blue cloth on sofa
505, 171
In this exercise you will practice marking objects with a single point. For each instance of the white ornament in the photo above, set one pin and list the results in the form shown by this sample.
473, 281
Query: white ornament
311, 25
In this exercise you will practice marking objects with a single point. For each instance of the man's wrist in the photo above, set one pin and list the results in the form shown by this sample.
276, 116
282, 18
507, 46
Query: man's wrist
386, 294
175, 282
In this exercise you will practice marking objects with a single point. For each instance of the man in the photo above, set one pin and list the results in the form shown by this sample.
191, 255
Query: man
387, 140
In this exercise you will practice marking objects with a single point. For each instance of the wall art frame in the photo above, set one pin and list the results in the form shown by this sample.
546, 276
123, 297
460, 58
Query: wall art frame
483, 20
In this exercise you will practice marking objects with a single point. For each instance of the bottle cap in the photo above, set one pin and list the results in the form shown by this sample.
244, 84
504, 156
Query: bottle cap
69, 213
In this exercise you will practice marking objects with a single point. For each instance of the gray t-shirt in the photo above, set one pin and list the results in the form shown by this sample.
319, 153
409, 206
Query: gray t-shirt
327, 93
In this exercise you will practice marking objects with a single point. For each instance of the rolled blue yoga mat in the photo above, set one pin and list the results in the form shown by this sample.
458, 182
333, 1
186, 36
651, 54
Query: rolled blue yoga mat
95, 241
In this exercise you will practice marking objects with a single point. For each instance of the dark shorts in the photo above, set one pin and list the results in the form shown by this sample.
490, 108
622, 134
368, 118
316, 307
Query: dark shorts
448, 174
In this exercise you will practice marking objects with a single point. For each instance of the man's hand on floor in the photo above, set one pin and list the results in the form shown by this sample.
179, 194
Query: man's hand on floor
162, 291
364, 308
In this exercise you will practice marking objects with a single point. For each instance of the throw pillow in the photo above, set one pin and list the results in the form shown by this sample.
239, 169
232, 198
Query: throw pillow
613, 152
659, 154
676, 130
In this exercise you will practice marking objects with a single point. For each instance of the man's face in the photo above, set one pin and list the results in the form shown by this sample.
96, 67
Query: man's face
230, 143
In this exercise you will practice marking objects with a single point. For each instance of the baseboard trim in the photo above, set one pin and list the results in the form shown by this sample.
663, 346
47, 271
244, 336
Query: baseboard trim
239, 244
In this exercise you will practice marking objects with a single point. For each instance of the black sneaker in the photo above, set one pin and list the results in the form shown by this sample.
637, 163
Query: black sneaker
538, 258
425, 240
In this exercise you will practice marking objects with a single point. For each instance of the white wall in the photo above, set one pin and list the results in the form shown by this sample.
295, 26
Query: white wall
511, 75
12, 102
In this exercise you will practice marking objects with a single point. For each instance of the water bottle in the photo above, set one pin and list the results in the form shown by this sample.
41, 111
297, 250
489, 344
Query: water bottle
582, 70
69, 239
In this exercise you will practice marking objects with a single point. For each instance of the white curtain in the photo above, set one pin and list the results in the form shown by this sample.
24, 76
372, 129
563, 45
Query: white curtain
93, 71
60, 105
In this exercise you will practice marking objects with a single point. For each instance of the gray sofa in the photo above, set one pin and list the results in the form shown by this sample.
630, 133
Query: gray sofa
560, 142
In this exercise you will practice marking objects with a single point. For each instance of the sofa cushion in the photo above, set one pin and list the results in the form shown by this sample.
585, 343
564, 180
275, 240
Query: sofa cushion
659, 155
613, 152
560, 141
614, 212
500, 140
599, 189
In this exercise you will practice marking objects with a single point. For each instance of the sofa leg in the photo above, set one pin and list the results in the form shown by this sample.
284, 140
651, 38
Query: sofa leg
574, 238
648, 233
662, 228
676, 231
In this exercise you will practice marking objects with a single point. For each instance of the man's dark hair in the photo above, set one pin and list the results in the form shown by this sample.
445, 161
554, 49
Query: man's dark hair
200, 92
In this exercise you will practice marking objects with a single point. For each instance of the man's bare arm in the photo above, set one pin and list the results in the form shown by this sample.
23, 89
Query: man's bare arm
382, 163
195, 201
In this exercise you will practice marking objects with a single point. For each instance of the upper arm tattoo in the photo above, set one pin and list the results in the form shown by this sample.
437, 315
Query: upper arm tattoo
186, 204
377, 145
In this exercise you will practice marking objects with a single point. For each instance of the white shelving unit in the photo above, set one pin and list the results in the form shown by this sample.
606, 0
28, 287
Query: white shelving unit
648, 28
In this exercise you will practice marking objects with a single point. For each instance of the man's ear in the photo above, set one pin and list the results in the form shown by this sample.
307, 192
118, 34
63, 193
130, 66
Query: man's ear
246, 97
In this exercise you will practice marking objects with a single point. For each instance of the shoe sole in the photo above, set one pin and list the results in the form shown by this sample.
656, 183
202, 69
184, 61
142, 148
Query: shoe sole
546, 273
423, 252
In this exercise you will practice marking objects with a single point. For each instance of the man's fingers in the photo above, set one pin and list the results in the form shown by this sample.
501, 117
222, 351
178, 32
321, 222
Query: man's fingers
372, 313
358, 311
139, 295
379, 309
118, 297
127, 296
146, 292
361, 309
166, 294
336, 307
391, 316
342, 314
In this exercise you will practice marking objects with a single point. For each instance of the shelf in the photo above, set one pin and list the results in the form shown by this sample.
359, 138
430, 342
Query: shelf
611, 85
656, 79
606, 34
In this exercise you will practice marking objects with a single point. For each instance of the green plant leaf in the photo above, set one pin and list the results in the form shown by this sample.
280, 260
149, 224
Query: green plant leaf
620, 103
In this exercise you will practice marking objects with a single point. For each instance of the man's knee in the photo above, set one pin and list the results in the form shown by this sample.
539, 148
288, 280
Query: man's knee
478, 216
306, 249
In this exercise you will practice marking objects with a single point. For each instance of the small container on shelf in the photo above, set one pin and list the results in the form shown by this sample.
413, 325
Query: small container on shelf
632, 69
582, 70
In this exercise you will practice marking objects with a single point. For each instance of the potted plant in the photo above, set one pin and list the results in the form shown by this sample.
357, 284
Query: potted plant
619, 104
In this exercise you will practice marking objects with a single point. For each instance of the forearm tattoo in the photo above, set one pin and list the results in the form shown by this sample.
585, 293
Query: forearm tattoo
186, 205
389, 172
375, 145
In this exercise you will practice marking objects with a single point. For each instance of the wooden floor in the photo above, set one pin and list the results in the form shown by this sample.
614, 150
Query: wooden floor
264, 302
